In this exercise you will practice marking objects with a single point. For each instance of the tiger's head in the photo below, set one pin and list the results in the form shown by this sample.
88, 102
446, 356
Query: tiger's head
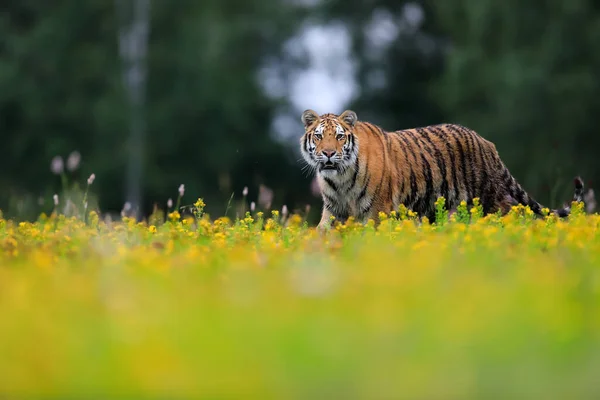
329, 144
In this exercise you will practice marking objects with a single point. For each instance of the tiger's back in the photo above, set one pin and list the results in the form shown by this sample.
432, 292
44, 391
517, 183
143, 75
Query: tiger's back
377, 170
416, 166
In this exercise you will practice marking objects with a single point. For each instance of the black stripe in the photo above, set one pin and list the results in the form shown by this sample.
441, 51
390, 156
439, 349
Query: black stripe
437, 155
416, 136
366, 209
355, 175
535, 206
400, 192
413, 179
365, 183
343, 216
350, 145
421, 203
415, 139
409, 147
328, 200
306, 139
374, 128
413, 189
396, 169
397, 136
487, 188
362, 193
378, 187
450, 200
514, 188
330, 183
441, 163
471, 154
486, 195
378, 134
365, 188
393, 164
388, 141
520, 194
370, 128
506, 180
506, 177
461, 153
482, 170
426, 198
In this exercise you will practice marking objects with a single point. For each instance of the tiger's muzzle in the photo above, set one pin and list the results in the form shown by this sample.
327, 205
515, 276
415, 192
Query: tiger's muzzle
329, 160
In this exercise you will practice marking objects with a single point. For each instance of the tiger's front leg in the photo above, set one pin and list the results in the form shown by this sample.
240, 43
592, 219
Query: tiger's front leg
325, 222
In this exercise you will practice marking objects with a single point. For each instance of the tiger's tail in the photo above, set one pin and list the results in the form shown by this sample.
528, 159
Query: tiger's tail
516, 195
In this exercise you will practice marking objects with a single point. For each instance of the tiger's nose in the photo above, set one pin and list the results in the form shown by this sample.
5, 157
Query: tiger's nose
329, 153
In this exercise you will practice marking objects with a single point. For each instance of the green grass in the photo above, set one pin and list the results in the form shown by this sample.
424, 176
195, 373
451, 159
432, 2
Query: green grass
262, 308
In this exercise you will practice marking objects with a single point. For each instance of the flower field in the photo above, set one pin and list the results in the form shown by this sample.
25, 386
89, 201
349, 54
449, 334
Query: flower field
267, 307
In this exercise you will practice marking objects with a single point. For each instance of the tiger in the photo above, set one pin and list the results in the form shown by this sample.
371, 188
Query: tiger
363, 170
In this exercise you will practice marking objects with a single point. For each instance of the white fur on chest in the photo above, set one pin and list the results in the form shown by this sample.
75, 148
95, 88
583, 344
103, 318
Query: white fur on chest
342, 191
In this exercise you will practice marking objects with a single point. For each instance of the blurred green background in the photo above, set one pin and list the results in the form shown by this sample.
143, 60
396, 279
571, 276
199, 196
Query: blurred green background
155, 93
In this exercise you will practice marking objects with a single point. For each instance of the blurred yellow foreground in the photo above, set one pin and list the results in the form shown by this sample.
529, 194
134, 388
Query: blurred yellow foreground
266, 307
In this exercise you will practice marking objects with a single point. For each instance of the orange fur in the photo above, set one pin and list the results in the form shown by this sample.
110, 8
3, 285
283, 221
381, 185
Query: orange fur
363, 169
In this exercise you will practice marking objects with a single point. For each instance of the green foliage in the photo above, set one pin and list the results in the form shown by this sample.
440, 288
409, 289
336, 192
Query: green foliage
462, 213
476, 211
441, 214
181, 309
523, 75
207, 119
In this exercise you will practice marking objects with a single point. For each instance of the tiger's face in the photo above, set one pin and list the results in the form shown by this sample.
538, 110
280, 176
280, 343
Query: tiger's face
329, 144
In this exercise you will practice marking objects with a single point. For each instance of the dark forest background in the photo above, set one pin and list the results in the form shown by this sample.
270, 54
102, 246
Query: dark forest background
155, 93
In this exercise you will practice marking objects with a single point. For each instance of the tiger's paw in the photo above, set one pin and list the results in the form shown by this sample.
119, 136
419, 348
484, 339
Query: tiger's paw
323, 228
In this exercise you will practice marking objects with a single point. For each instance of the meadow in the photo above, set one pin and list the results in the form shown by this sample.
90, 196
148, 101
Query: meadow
266, 306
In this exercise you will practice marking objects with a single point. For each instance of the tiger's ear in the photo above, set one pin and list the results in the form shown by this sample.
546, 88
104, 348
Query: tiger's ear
349, 117
309, 117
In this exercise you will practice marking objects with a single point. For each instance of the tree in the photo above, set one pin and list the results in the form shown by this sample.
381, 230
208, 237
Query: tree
207, 119
524, 74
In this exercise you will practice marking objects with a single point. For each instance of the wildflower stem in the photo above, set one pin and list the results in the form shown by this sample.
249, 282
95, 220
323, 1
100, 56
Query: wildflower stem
64, 184
229, 203
177, 203
85, 204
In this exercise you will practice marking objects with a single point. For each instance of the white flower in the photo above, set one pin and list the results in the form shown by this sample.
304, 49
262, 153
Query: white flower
252, 206
126, 209
181, 190
57, 165
284, 210
91, 179
73, 160
245, 191
170, 203
265, 196
55, 197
